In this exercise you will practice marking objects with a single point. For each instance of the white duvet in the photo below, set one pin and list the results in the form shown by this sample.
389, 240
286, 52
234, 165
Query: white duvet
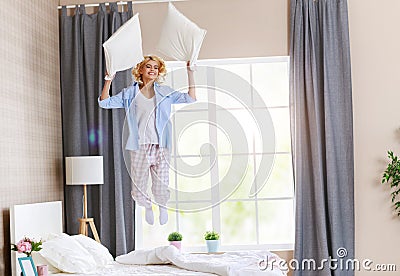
227, 264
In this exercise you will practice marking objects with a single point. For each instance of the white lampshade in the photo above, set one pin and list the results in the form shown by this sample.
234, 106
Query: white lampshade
82, 170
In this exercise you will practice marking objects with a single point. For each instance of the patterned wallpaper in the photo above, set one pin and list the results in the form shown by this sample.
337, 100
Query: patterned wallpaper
30, 106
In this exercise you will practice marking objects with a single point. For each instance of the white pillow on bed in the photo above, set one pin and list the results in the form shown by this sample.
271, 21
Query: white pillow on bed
181, 39
123, 50
68, 255
98, 251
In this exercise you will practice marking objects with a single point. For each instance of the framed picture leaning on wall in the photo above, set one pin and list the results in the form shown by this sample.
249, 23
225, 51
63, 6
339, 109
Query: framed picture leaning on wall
27, 266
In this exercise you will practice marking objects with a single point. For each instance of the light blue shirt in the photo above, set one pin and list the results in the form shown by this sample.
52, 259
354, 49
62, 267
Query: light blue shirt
165, 97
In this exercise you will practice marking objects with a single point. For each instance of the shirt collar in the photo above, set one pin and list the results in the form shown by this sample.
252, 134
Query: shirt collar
157, 88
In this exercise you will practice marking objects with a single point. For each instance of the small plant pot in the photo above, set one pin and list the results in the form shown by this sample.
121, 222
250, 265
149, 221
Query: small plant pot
212, 246
177, 244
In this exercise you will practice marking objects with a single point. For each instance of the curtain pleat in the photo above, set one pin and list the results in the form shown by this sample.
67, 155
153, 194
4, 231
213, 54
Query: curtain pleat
90, 130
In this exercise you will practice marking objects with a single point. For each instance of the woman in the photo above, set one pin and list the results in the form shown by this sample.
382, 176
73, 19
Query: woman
148, 107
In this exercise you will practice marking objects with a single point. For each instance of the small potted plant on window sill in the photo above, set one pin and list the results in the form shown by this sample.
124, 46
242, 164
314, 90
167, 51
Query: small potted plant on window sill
212, 240
175, 239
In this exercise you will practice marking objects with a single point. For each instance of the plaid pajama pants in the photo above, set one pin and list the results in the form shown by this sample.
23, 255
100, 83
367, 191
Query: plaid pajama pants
150, 157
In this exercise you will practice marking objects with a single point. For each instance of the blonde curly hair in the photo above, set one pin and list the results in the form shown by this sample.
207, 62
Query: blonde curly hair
162, 70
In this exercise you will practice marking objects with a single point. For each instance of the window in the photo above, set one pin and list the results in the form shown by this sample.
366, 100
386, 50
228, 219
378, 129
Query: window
231, 167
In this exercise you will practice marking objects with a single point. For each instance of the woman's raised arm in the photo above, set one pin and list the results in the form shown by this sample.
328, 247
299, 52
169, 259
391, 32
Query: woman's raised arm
192, 89
106, 88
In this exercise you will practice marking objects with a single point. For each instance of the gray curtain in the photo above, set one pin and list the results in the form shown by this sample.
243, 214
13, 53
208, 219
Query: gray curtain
322, 132
90, 130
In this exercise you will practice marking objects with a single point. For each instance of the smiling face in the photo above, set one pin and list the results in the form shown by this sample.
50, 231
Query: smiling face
151, 68
149, 71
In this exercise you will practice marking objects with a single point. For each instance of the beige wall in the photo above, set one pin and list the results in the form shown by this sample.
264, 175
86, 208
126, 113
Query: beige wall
375, 45
235, 28
30, 120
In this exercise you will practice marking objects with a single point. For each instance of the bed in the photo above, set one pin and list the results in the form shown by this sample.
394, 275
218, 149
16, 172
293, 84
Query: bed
45, 222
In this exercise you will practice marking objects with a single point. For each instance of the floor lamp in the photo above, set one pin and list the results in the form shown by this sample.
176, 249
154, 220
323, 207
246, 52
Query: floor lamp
85, 170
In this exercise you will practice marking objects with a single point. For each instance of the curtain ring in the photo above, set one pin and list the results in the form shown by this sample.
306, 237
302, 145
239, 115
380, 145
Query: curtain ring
76, 11
82, 9
129, 6
114, 7
102, 7
64, 11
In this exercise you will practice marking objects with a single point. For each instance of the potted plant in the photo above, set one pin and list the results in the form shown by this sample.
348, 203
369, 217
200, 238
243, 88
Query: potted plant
392, 177
212, 240
175, 239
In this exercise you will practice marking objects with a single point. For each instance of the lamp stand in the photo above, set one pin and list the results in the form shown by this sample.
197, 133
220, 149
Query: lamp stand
83, 227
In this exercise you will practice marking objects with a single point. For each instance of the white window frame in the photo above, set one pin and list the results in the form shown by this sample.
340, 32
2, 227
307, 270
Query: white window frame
216, 215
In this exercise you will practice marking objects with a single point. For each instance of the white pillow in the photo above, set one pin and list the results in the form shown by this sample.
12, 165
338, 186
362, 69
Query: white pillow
181, 39
67, 255
98, 251
123, 50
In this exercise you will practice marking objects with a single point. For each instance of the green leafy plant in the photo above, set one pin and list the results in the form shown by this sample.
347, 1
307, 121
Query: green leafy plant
211, 235
392, 177
175, 236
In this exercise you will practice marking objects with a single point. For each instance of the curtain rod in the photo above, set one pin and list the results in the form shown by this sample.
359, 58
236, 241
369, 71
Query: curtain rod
123, 3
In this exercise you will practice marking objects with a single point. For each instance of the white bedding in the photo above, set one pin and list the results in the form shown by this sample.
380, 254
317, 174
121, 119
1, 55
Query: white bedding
227, 264
155, 262
117, 269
